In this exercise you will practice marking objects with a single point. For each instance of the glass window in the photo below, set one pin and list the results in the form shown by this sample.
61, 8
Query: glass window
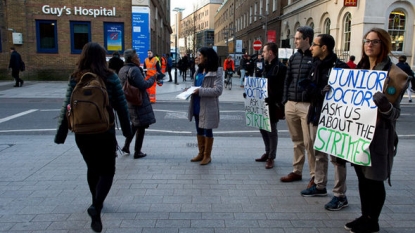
396, 29
347, 27
327, 24
80, 35
46, 36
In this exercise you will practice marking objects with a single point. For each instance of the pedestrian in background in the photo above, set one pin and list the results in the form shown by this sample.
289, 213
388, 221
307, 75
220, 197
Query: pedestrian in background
242, 70
275, 73
407, 69
316, 87
376, 49
98, 150
296, 105
15, 65
152, 67
115, 63
259, 66
169, 66
204, 102
351, 63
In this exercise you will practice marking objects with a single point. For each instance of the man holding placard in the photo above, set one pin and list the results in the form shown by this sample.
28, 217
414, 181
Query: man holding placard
324, 59
275, 74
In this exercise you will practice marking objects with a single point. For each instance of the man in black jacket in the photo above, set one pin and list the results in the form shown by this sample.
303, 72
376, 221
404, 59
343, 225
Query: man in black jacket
275, 74
15, 64
407, 69
296, 105
316, 87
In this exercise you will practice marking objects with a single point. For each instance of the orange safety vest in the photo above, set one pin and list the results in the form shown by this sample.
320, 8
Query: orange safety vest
163, 65
151, 71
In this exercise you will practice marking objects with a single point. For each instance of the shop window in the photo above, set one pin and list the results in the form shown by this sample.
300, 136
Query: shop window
46, 36
114, 37
396, 29
80, 35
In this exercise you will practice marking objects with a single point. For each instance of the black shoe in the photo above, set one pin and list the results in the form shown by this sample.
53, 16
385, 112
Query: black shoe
139, 155
170, 81
16, 86
96, 223
125, 150
21, 83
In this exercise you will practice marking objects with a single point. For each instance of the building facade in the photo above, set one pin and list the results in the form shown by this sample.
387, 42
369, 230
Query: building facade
348, 20
50, 34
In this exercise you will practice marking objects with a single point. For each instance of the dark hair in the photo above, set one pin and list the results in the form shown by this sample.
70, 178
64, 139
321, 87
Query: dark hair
327, 40
12, 48
352, 58
92, 59
129, 55
212, 59
402, 58
307, 32
116, 54
385, 48
273, 47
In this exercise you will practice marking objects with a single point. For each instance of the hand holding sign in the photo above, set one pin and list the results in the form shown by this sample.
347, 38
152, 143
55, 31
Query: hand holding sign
382, 102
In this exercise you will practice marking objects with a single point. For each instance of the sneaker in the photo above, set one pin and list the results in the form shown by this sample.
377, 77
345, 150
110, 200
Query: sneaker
337, 203
314, 191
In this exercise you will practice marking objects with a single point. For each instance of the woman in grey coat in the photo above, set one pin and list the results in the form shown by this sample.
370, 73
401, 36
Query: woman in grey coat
141, 116
204, 102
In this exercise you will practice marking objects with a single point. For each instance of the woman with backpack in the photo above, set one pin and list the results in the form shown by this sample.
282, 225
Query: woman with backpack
97, 148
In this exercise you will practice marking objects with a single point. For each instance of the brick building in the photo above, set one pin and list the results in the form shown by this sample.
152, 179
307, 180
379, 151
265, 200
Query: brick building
50, 34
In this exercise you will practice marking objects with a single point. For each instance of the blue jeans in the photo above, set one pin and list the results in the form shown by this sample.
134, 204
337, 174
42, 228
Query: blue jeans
242, 76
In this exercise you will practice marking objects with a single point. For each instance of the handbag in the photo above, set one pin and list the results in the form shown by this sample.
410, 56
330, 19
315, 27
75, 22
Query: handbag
133, 95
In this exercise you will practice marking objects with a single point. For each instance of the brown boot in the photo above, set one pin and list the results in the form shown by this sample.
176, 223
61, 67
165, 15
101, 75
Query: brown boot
269, 164
208, 150
201, 145
263, 158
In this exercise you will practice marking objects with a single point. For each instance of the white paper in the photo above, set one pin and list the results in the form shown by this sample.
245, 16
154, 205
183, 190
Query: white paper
186, 94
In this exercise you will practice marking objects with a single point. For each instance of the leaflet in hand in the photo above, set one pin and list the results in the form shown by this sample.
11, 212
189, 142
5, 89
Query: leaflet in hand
186, 94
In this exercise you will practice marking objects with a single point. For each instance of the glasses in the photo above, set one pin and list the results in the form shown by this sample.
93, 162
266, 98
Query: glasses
314, 44
373, 42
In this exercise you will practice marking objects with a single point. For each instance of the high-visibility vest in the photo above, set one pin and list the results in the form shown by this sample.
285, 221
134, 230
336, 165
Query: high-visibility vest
151, 67
163, 65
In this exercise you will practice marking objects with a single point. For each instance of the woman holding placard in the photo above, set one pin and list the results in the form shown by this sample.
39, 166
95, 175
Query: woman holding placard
375, 56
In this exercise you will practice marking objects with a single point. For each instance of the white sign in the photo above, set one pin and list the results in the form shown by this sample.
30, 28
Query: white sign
238, 47
256, 111
348, 117
59, 11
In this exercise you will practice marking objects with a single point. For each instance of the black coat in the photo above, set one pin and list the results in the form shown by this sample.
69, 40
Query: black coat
15, 61
275, 73
298, 68
319, 76
143, 115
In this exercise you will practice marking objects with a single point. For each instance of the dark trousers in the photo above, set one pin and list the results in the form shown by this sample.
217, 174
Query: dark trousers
139, 132
270, 140
17, 79
169, 72
372, 195
99, 152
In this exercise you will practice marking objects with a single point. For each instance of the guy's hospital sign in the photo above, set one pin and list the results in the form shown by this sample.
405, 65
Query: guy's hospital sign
82, 11
348, 117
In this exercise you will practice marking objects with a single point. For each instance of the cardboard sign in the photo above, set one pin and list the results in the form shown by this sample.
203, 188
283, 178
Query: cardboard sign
256, 111
348, 117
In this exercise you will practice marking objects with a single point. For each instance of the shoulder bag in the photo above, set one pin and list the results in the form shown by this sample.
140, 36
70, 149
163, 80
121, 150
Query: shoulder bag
132, 93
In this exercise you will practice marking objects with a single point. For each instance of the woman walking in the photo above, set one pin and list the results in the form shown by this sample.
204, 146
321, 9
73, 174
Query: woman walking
99, 149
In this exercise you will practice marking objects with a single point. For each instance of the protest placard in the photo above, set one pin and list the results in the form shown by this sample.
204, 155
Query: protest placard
348, 117
256, 110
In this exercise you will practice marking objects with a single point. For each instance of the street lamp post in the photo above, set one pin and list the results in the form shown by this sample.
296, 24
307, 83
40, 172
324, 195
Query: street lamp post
265, 27
234, 38
176, 9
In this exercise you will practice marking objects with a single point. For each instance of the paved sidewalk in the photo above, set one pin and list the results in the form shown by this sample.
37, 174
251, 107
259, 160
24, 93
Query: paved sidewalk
43, 185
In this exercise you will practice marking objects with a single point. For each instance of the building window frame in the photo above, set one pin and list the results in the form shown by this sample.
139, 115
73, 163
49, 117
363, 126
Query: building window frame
74, 41
347, 31
114, 45
327, 25
397, 29
54, 42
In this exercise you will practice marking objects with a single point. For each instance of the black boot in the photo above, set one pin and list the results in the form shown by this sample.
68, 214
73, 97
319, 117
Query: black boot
95, 214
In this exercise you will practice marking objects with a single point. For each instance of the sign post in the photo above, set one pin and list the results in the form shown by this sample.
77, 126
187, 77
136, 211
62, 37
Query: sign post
257, 45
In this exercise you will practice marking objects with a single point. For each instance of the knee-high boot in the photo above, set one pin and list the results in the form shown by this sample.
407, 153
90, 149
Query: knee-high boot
208, 150
201, 145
